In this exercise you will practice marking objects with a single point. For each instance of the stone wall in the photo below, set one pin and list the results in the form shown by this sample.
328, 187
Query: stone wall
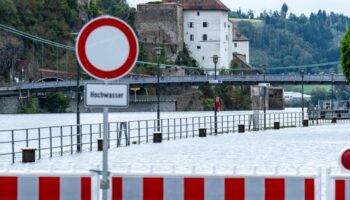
9, 105
160, 24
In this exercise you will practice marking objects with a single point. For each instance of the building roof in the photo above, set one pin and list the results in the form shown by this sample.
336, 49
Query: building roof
241, 59
200, 4
238, 36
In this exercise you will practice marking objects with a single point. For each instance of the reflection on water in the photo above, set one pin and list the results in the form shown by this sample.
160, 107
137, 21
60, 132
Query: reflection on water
16, 121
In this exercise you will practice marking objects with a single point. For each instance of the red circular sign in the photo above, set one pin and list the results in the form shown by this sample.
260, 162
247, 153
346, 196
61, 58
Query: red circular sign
345, 159
107, 48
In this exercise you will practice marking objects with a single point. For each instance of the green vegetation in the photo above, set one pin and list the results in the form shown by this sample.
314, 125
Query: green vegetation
55, 102
55, 20
253, 21
286, 39
307, 88
232, 98
345, 54
30, 107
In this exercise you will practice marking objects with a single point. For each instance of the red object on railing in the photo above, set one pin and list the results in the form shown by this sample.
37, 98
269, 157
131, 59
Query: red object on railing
217, 104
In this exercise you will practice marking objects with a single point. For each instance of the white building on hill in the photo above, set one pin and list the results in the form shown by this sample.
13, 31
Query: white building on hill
205, 26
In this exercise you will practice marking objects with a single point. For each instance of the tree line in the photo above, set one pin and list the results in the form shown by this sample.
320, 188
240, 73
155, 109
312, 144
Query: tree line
285, 39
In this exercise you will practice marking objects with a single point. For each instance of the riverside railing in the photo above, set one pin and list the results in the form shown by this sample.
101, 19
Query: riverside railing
62, 140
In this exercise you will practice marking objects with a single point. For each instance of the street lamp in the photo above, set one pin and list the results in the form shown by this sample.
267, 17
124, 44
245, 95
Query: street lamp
158, 53
264, 68
78, 95
332, 99
215, 60
78, 98
302, 93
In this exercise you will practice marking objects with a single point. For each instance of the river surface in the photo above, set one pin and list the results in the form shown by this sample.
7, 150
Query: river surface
19, 121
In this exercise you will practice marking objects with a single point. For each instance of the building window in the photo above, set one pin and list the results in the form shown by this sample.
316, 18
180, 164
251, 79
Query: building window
198, 47
226, 37
205, 37
191, 24
205, 24
236, 44
197, 13
191, 37
225, 24
203, 58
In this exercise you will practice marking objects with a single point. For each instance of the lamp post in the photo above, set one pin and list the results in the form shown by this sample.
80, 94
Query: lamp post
302, 93
158, 52
215, 60
264, 68
78, 96
332, 98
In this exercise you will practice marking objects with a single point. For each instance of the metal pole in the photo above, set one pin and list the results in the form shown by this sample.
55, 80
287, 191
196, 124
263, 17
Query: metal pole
33, 61
11, 73
215, 112
302, 94
158, 110
105, 181
78, 109
264, 100
332, 99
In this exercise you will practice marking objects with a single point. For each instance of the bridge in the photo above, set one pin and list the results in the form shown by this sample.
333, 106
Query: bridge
37, 87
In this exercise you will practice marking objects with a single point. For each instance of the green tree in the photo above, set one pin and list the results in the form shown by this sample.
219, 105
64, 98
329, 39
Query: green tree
8, 12
30, 107
345, 54
284, 10
319, 94
55, 102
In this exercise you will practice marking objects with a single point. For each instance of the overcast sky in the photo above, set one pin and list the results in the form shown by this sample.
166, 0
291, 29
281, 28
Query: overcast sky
295, 6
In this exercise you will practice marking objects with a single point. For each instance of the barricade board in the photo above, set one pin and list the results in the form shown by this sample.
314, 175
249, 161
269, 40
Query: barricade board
213, 188
340, 188
47, 187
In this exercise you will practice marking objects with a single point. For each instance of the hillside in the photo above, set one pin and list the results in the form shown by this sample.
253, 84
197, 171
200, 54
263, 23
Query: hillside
285, 39
55, 20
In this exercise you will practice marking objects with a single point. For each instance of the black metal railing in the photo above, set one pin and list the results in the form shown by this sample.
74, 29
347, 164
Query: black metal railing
62, 140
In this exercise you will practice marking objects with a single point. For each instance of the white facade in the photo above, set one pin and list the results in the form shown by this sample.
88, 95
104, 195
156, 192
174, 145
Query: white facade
206, 33
241, 47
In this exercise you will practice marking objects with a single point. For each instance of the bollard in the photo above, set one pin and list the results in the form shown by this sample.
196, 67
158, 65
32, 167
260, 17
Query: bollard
28, 154
276, 125
241, 128
99, 144
334, 120
202, 132
305, 123
157, 137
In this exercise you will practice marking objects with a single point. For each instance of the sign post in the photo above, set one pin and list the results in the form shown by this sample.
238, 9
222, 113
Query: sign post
107, 49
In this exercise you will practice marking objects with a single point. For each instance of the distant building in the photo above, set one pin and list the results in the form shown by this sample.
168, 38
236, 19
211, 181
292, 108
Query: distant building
240, 44
289, 96
202, 25
273, 98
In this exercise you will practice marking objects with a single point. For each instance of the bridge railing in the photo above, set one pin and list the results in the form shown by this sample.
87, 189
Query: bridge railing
64, 140
248, 79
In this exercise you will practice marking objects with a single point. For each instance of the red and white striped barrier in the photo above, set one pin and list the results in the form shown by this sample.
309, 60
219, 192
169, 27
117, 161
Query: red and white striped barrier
339, 187
213, 188
38, 187
342, 189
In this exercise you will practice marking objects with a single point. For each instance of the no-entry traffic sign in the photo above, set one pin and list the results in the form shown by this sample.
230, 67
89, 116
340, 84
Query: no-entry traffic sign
107, 48
344, 159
